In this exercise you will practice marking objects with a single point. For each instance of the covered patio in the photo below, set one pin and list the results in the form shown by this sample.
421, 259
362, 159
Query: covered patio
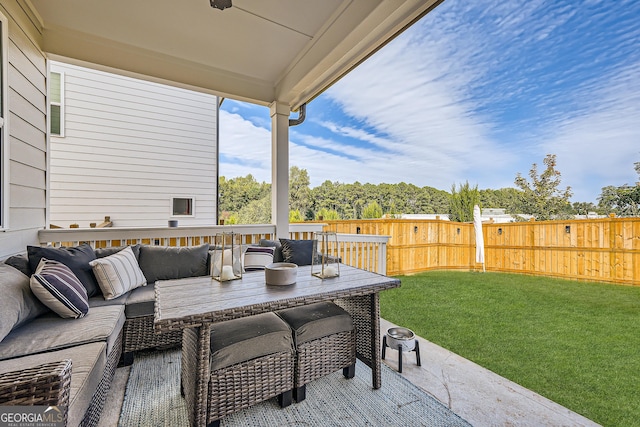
280, 54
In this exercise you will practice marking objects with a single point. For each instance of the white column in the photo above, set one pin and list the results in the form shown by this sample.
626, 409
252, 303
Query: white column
280, 168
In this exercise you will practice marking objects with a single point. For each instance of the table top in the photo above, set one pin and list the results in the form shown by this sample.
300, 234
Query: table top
193, 301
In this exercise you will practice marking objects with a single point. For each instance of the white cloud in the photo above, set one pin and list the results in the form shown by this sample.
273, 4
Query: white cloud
476, 91
244, 148
599, 145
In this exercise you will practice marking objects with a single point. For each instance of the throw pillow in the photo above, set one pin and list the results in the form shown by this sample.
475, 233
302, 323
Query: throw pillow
277, 254
117, 274
76, 258
166, 263
105, 252
256, 258
299, 252
21, 262
18, 305
59, 289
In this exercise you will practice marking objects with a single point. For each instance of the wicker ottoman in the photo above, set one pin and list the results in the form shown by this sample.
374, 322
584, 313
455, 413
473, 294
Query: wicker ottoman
251, 361
325, 340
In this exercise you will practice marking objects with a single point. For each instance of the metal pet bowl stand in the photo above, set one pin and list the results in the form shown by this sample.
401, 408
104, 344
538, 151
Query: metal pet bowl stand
402, 339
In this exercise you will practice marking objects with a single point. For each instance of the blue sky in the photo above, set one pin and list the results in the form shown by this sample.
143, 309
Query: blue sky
476, 91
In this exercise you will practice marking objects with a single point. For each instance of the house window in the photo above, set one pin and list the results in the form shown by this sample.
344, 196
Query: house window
182, 206
4, 135
56, 104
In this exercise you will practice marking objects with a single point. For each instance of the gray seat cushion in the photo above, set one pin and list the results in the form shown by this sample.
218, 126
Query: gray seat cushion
314, 321
51, 332
239, 340
99, 301
88, 363
140, 302
165, 263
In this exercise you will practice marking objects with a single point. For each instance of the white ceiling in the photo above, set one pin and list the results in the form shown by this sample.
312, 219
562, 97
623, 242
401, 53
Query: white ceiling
258, 50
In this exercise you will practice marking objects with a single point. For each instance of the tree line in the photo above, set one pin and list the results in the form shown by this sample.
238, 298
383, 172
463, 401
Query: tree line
244, 200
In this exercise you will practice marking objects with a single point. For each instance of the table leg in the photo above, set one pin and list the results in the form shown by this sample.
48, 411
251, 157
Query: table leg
376, 372
365, 311
195, 372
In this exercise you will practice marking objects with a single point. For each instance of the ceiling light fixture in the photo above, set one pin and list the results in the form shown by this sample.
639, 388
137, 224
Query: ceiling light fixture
220, 4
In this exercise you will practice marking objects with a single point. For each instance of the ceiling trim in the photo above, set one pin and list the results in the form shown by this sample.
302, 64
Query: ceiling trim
389, 20
68, 46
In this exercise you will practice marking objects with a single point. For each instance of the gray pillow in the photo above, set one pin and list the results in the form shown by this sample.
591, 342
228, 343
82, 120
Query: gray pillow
77, 258
105, 252
166, 263
18, 304
299, 252
21, 262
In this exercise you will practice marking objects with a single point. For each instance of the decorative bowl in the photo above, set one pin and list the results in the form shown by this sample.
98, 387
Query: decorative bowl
401, 337
281, 273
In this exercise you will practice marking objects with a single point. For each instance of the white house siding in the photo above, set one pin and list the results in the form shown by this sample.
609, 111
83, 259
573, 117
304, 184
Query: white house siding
129, 146
26, 123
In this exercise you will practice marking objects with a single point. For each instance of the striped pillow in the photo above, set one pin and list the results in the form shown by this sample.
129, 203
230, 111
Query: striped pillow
117, 274
58, 288
256, 258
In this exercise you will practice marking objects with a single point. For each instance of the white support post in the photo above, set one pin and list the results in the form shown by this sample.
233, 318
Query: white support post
280, 168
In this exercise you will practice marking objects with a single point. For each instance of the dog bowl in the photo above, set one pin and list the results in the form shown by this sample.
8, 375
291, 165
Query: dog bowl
401, 337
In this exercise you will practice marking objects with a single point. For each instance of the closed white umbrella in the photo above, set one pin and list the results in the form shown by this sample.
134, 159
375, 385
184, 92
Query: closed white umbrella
477, 227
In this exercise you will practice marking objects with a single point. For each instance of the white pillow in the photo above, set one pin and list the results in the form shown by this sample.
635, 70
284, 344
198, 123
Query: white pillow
117, 274
257, 257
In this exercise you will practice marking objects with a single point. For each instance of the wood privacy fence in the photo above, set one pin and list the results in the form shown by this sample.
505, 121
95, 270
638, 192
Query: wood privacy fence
604, 250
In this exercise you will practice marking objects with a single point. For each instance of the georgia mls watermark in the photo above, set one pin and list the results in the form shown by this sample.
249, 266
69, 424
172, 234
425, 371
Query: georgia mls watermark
32, 416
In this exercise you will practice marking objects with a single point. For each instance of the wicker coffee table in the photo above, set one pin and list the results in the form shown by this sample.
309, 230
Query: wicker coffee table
193, 304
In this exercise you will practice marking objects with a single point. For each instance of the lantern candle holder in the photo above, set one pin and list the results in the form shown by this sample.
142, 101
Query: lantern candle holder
324, 265
226, 257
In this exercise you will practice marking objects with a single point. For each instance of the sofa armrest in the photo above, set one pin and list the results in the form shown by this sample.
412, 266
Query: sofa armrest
47, 384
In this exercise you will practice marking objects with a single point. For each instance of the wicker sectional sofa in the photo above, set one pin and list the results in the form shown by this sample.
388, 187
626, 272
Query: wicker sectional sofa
49, 360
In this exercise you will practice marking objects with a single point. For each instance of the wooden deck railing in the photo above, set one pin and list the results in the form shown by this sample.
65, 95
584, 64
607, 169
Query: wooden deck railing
362, 251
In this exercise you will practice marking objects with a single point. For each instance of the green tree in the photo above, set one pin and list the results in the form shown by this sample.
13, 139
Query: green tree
295, 216
541, 197
372, 210
623, 200
503, 198
236, 193
327, 214
299, 192
462, 202
256, 212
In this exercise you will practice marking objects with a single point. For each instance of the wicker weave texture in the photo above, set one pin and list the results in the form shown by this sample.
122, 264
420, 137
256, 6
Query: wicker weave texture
139, 334
195, 372
245, 384
47, 384
365, 311
317, 358
92, 416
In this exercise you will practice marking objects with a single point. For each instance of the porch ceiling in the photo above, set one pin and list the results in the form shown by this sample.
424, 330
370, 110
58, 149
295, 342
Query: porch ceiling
258, 51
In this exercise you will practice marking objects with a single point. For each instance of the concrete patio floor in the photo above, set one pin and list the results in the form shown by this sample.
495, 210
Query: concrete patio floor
478, 395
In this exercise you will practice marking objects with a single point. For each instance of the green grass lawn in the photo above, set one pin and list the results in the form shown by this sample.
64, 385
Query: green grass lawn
575, 343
